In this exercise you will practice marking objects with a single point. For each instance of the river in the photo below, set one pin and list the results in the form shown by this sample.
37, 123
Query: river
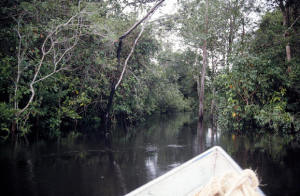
86, 163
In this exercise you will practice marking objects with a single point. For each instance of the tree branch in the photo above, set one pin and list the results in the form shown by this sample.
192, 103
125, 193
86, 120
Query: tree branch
45, 52
293, 23
126, 61
140, 21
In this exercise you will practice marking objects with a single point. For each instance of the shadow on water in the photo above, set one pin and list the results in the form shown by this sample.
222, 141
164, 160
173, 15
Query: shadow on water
83, 162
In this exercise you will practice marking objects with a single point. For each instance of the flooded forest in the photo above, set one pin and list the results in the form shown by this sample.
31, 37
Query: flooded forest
100, 97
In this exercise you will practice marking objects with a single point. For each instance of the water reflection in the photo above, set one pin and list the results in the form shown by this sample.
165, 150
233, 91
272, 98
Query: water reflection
91, 165
151, 166
212, 137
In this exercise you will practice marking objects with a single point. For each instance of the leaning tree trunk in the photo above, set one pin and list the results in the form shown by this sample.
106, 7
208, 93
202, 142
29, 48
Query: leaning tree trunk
112, 88
116, 81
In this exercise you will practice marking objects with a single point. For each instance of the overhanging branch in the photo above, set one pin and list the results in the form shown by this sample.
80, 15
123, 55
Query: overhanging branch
140, 21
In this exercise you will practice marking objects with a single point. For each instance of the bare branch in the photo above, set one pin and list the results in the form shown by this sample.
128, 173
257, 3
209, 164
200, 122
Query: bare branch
56, 63
140, 21
44, 52
293, 23
132, 49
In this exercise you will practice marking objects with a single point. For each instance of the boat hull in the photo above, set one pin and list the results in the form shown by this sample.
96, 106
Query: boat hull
192, 176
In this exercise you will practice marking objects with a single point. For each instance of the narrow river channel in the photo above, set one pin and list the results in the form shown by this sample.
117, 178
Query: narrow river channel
87, 164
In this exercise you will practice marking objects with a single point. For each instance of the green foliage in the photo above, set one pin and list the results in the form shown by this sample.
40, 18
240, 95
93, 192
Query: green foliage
261, 85
79, 91
255, 84
5, 118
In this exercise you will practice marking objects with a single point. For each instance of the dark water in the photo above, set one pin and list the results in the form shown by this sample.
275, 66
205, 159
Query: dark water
88, 164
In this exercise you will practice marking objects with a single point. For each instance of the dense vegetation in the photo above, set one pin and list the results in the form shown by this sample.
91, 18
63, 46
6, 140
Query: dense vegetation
59, 61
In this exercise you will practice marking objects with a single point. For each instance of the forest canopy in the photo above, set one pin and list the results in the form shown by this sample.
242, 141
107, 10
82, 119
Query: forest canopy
60, 60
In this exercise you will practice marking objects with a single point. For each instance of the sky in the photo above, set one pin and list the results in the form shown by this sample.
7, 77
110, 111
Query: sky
167, 8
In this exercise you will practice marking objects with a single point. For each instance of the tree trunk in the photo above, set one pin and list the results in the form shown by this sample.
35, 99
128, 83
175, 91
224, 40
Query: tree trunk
288, 52
243, 33
110, 100
115, 80
213, 90
212, 106
201, 98
285, 9
112, 88
230, 34
231, 28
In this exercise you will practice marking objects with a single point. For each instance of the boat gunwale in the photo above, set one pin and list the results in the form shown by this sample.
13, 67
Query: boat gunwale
186, 164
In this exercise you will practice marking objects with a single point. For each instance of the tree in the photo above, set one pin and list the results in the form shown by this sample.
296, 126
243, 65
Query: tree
42, 41
199, 32
290, 16
201, 97
116, 81
41, 52
260, 87
65, 60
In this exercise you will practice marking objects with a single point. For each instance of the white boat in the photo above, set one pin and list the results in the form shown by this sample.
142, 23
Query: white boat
190, 177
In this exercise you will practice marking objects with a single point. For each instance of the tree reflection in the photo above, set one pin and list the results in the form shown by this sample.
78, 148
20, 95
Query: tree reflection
118, 171
200, 137
89, 164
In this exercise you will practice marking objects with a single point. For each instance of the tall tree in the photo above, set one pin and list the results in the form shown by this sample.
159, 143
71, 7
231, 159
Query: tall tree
201, 96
